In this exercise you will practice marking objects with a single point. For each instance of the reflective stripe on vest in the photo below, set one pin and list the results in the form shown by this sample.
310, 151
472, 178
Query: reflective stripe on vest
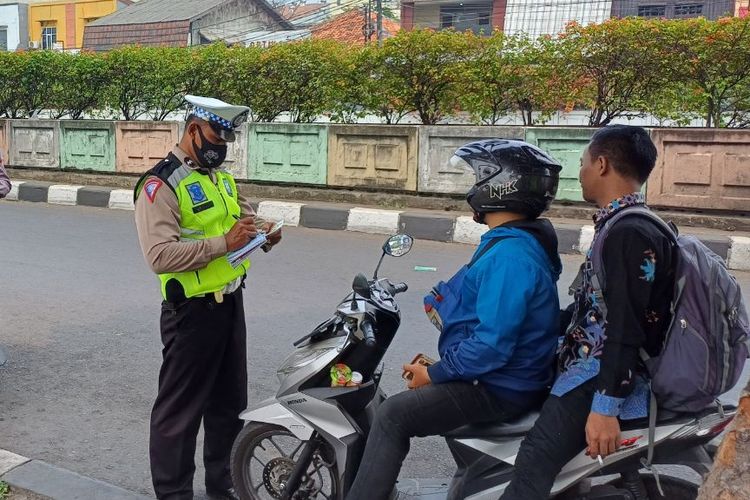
207, 210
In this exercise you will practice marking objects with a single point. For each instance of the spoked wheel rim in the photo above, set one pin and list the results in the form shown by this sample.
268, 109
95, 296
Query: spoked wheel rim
270, 460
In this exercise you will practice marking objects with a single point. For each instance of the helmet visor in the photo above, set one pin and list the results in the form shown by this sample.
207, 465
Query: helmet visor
458, 163
482, 170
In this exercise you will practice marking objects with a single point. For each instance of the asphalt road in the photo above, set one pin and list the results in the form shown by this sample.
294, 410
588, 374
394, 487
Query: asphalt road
79, 317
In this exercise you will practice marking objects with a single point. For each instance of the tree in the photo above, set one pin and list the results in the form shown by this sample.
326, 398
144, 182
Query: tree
39, 75
728, 477
514, 74
11, 64
714, 63
353, 91
490, 75
620, 66
209, 71
82, 85
421, 69
129, 69
299, 78
172, 73
378, 90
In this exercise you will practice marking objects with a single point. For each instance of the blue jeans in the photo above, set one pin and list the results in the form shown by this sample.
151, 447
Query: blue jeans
428, 411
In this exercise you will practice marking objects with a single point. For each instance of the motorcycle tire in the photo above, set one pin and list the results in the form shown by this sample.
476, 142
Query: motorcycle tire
674, 488
269, 485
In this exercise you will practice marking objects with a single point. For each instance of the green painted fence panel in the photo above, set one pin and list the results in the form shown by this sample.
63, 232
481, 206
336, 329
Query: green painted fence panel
288, 152
88, 145
565, 145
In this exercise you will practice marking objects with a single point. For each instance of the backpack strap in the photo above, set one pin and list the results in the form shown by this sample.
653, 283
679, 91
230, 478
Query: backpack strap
647, 461
598, 279
487, 248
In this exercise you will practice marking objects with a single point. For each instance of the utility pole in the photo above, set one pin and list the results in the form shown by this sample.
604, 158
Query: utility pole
380, 21
367, 27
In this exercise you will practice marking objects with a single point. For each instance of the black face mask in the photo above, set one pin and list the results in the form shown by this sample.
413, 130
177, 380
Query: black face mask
209, 155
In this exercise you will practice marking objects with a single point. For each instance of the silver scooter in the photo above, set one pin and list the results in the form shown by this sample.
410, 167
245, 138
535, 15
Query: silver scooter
307, 441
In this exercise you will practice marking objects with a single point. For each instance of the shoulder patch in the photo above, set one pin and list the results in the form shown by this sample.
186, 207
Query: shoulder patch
151, 187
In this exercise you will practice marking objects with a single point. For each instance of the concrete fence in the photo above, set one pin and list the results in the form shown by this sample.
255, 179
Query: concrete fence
698, 169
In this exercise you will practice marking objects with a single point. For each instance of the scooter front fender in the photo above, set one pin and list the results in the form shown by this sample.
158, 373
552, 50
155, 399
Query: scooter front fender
272, 412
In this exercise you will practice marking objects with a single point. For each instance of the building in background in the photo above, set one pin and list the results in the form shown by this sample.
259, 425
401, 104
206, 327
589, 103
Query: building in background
59, 24
350, 27
549, 17
479, 17
14, 25
742, 8
181, 23
673, 9
303, 15
530, 17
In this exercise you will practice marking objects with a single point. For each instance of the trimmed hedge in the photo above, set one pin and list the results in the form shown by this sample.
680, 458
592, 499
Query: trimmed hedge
675, 70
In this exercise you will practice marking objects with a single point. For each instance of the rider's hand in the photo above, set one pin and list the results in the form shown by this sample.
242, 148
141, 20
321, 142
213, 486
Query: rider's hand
602, 435
420, 376
240, 234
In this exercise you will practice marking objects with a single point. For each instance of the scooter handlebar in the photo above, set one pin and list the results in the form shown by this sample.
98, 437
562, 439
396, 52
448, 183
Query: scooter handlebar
400, 288
369, 334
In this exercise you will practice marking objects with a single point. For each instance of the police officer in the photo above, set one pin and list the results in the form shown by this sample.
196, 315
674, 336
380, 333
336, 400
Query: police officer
188, 215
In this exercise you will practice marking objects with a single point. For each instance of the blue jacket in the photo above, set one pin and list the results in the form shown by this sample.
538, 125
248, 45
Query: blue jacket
504, 331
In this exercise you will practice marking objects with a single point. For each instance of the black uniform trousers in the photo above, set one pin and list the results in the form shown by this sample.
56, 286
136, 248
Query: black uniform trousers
203, 376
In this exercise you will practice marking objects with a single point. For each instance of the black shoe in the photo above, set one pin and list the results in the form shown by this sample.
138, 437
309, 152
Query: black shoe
228, 494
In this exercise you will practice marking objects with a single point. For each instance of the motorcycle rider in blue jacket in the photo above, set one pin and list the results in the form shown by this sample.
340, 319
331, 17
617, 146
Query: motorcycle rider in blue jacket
498, 316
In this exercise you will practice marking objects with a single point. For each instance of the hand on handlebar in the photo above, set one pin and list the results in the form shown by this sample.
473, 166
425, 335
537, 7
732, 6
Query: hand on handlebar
369, 334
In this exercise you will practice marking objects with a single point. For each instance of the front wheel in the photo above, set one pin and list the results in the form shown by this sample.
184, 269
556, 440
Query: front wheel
263, 457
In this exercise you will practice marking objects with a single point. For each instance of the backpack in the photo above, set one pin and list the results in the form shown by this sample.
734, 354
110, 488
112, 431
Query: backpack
706, 343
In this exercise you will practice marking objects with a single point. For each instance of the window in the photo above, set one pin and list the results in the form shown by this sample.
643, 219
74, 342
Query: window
467, 17
49, 36
3, 38
652, 10
688, 9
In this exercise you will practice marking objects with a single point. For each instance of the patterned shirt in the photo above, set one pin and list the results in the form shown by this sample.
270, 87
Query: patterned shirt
637, 263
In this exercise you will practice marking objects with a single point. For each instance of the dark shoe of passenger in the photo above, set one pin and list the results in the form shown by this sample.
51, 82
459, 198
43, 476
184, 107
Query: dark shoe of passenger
228, 494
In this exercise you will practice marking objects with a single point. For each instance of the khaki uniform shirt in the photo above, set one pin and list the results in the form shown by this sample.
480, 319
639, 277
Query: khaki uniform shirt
158, 226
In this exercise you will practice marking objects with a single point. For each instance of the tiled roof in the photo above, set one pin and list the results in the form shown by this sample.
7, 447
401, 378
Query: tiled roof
102, 38
295, 12
347, 28
153, 11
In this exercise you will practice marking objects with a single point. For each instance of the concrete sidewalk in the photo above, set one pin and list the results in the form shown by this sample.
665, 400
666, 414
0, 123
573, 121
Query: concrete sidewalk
574, 235
36, 480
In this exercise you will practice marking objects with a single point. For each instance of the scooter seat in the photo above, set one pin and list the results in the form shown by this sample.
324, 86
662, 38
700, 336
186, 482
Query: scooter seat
517, 427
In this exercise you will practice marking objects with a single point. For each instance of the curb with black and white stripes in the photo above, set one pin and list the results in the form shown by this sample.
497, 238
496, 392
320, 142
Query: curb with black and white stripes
427, 225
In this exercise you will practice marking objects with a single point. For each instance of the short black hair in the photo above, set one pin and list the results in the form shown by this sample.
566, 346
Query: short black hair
629, 148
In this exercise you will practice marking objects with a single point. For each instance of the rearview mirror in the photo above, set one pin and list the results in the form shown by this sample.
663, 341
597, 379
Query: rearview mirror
398, 245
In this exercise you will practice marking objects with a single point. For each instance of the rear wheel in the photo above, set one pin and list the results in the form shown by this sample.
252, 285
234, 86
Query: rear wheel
674, 488
263, 457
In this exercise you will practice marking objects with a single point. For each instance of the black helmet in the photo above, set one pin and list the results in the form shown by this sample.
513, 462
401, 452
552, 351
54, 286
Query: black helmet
511, 175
